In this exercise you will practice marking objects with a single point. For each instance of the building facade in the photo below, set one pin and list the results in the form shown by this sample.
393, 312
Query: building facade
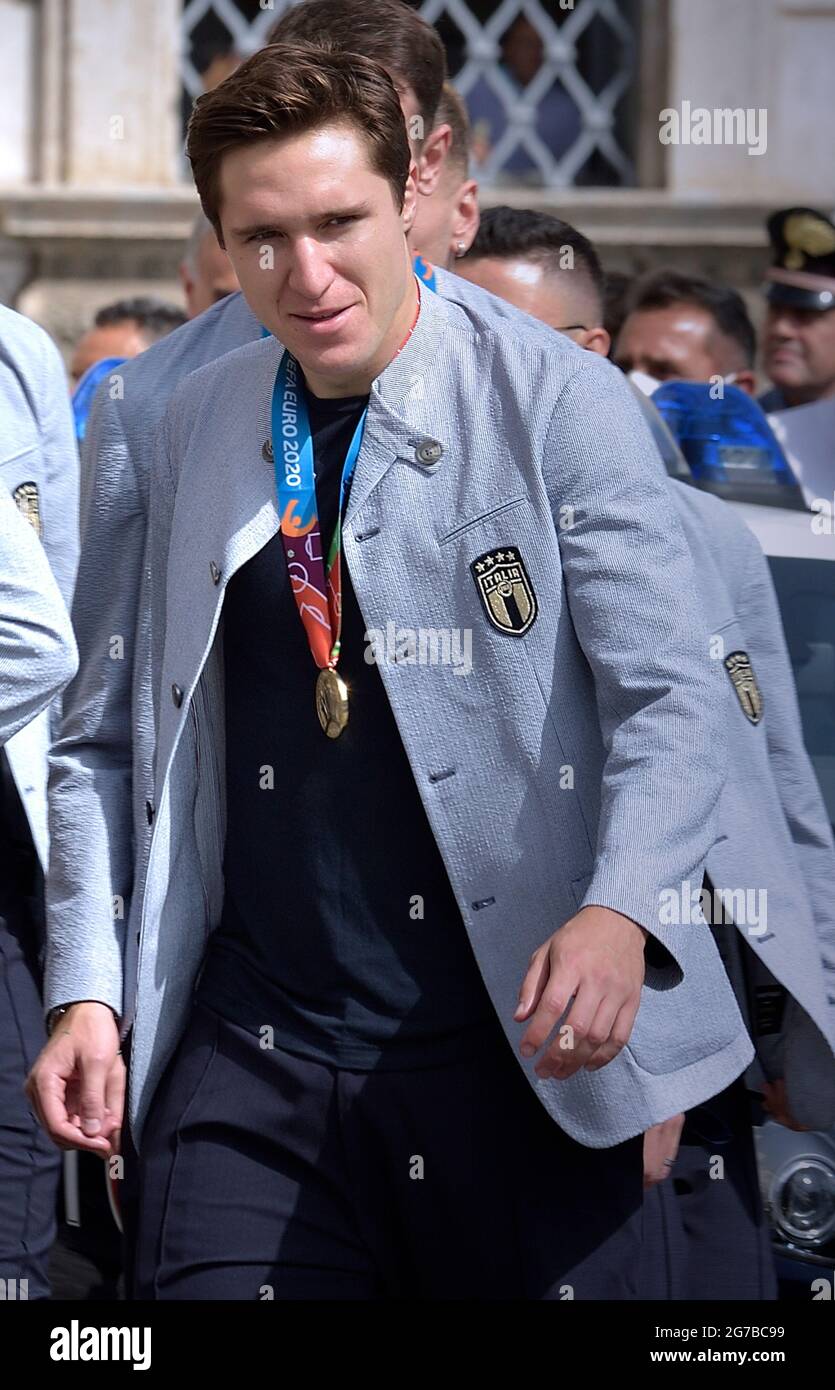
665, 129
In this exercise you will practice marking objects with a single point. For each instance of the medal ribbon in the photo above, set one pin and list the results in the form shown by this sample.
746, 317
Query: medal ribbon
425, 272
317, 588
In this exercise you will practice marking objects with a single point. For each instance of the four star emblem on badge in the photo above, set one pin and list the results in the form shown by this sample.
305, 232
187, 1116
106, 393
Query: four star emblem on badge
505, 589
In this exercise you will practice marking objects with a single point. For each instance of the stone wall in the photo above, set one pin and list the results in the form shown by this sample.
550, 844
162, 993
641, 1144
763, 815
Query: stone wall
92, 203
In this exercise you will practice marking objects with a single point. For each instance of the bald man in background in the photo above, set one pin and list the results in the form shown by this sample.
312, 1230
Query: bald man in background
206, 273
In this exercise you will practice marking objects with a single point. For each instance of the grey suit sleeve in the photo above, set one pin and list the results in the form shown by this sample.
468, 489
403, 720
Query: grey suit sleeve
631, 592
797, 785
90, 784
60, 474
161, 512
37, 651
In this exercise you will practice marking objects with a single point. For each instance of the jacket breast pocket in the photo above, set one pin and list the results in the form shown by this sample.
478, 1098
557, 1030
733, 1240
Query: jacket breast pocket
496, 512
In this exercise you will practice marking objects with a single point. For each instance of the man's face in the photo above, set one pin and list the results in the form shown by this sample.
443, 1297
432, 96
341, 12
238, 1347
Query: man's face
678, 343
799, 351
211, 279
318, 244
124, 339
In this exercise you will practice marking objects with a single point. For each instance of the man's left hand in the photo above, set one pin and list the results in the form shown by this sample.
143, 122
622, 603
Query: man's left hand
597, 960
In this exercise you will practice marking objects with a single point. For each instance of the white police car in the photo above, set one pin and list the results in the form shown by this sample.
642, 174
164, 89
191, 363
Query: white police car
797, 1170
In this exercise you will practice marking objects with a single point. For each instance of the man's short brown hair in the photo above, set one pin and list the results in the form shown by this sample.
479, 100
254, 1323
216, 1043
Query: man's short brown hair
288, 90
389, 31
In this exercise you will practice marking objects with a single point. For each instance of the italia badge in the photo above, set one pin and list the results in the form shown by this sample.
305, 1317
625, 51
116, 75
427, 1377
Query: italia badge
505, 589
738, 667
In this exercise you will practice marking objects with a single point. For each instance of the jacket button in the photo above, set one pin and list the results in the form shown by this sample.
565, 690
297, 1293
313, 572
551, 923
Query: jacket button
267, 451
149, 812
214, 572
177, 695
428, 452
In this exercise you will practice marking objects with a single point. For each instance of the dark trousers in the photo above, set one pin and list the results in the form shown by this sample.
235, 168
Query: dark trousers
263, 1174
30, 1164
707, 1237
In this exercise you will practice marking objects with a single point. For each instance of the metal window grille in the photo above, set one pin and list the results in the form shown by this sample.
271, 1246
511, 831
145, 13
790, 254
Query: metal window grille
559, 120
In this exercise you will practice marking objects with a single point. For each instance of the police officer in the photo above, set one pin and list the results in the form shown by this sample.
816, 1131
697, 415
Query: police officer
799, 335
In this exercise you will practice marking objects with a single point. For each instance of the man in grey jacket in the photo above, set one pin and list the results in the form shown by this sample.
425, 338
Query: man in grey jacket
101, 788
37, 657
39, 468
533, 527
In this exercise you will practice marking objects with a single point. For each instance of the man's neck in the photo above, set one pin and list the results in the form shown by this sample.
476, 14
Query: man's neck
808, 395
359, 383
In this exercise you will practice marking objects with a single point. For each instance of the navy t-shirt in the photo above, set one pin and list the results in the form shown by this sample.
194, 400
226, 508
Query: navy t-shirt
340, 930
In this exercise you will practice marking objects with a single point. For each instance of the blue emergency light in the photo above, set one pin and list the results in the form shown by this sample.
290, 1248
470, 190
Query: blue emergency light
728, 443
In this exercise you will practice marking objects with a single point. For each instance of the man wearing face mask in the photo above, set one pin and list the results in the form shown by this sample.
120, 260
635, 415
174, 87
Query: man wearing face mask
704, 1238
682, 328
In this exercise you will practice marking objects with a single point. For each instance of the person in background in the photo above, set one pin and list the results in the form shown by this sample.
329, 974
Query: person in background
147, 325
557, 121
683, 328
205, 271
799, 332
447, 220
616, 288
709, 1239
123, 330
38, 557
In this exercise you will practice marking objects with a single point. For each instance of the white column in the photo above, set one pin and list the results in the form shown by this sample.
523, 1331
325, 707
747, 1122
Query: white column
122, 93
18, 23
772, 55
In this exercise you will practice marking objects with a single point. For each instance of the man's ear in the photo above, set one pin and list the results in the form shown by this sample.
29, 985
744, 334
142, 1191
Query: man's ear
435, 149
467, 218
596, 340
410, 197
746, 380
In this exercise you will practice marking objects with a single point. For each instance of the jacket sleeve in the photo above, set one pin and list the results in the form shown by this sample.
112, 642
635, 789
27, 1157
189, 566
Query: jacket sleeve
797, 786
59, 453
631, 591
90, 875
37, 650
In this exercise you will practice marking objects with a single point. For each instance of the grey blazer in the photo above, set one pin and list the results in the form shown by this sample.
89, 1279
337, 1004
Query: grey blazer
39, 466
93, 847
38, 654
611, 681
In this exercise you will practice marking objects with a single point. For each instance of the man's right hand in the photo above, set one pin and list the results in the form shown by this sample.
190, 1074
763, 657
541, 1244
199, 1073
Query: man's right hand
77, 1084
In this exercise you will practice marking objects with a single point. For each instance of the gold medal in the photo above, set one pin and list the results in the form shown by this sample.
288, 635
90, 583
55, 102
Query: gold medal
331, 702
